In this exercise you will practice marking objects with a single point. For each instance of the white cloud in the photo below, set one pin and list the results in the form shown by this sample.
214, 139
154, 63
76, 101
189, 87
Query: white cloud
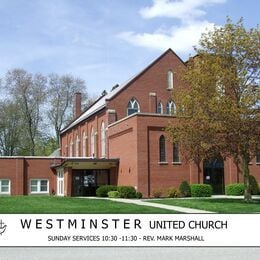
180, 38
183, 10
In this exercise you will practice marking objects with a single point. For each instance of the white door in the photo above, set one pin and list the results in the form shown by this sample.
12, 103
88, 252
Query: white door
60, 182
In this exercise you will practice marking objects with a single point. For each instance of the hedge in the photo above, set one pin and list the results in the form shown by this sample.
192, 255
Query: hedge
113, 194
235, 189
185, 189
103, 190
201, 190
126, 192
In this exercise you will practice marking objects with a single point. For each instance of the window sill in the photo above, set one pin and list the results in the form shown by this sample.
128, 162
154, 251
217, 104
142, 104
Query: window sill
40, 193
169, 89
163, 163
258, 163
176, 163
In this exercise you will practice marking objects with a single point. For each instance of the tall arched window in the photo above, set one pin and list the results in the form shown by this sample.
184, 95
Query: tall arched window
169, 79
162, 149
160, 108
170, 108
103, 140
133, 107
77, 146
84, 144
92, 143
71, 148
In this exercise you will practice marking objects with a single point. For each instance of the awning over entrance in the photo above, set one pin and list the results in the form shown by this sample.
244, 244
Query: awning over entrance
87, 163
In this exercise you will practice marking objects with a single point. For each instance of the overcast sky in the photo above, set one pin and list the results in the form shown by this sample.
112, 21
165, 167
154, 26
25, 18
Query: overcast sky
105, 42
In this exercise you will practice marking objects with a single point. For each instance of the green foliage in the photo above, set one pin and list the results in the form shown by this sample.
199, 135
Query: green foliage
113, 194
254, 185
103, 190
172, 192
126, 192
157, 193
139, 195
201, 190
235, 189
185, 189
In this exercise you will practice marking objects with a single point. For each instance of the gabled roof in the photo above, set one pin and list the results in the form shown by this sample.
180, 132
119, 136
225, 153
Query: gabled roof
101, 102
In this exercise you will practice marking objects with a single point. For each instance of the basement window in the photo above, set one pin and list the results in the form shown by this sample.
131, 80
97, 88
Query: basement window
39, 186
5, 186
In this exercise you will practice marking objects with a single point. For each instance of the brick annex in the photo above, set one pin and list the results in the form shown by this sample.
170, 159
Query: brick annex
120, 140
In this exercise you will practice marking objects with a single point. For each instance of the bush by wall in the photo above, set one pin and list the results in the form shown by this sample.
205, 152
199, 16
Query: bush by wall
139, 195
185, 189
254, 185
104, 189
201, 190
157, 193
235, 189
126, 192
113, 194
172, 192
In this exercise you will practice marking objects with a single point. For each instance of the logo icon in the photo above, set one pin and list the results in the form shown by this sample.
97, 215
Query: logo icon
2, 227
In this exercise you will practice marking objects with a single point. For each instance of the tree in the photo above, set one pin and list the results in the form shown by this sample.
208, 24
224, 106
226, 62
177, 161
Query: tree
28, 92
60, 103
10, 128
221, 114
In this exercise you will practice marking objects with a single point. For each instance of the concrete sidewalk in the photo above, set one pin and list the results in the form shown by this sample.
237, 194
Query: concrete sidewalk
162, 206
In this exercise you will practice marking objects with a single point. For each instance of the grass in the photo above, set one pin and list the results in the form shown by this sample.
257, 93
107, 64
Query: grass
56, 205
215, 205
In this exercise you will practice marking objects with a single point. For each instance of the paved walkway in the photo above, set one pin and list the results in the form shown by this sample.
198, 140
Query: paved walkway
142, 202
162, 206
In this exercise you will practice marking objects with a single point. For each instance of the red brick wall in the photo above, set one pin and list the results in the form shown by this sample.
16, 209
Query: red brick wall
21, 170
154, 80
123, 144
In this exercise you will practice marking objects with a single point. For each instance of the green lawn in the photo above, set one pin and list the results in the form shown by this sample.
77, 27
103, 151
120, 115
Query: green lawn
52, 204
215, 205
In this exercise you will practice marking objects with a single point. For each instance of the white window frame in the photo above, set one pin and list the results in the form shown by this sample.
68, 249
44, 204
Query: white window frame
39, 186
77, 146
9, 187
84, 146
60, 182
132, 104
103, 140
71, 148
170, 108
160, 106
169, 79
92, 143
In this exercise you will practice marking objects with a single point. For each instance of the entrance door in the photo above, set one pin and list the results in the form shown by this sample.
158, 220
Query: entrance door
85, 182
214, 175
60, 182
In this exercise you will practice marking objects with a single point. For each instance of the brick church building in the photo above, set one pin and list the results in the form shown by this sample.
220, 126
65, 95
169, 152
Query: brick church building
120, 140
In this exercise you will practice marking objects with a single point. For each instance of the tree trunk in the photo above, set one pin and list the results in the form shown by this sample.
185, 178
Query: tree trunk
245, 169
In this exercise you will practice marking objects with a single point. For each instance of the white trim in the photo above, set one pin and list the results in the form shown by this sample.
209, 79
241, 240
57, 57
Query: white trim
9, 187
60, 182
38, 186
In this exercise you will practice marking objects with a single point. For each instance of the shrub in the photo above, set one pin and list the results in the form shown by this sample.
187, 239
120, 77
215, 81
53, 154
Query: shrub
185, 189
254, 185
139, 195
113, 194
201, 190
104, 189
173, 193
157, 193
235, 189
126, 192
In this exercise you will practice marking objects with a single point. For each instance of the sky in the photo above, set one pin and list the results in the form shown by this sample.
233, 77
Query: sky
106, 42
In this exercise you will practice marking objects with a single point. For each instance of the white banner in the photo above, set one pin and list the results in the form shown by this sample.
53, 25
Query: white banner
117, 230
